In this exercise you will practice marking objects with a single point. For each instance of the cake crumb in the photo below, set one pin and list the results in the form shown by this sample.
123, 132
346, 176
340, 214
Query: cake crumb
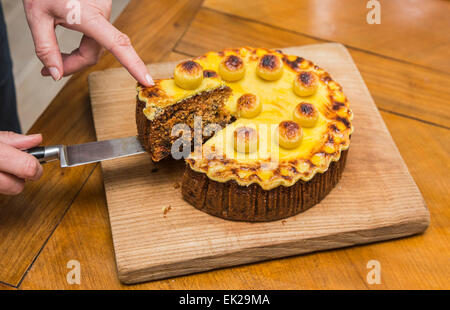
283, 222
166, 209
176, 185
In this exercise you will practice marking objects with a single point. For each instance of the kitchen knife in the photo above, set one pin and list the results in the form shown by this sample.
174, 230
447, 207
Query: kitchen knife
81, 154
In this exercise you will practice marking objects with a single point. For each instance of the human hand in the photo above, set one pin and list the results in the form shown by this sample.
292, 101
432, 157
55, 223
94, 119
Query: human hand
17, 166
44, 15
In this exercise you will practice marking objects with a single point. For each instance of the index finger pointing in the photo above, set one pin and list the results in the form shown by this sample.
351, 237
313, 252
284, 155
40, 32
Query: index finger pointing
119, 45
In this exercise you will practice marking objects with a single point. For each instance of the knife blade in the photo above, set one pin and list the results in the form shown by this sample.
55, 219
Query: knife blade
87, 153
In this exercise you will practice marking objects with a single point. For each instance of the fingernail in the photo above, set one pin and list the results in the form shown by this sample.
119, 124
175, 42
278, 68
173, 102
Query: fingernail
149, 79
54, 73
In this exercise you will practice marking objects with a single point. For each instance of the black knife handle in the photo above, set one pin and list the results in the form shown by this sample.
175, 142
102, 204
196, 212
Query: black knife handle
38, 152
46, 153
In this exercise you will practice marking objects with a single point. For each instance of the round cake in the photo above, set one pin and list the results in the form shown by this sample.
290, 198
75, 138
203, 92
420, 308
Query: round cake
274, 131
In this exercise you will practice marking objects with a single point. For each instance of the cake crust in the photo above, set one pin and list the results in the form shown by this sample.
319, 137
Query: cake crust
251, 203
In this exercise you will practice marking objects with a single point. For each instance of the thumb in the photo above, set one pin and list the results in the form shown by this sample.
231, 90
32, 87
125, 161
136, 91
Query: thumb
46, 44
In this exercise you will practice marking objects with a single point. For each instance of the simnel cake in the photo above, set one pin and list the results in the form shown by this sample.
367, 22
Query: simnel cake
274, 131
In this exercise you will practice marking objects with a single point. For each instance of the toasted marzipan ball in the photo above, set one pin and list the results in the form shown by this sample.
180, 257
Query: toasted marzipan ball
290, 134
306, 114
270, 67
188, 74
232, 68
248, 106
245, 139
306, 83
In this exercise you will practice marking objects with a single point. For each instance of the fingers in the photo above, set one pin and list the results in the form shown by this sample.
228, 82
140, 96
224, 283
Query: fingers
18, 163
10, 185
15, 165
86, 55
42, 16
43, 31
119, 45
20, 141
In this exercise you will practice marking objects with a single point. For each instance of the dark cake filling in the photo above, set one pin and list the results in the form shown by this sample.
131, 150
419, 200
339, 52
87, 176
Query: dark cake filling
156, 135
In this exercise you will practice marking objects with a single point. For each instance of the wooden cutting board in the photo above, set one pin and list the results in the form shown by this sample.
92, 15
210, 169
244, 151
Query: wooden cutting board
375, 200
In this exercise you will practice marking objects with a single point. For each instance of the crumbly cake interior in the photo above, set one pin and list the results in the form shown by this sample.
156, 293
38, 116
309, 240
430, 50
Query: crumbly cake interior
208, 104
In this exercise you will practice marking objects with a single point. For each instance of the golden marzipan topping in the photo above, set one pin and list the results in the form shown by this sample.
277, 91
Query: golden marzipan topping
289, 134
306, 83
232, 68
306, 114
188, 74
248, 106
270, 67
299, 124
245, 139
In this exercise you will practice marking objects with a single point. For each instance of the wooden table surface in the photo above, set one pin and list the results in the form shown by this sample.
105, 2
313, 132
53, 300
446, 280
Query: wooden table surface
405, 62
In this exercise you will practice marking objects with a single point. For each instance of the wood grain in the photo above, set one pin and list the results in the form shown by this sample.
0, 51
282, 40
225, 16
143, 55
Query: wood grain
413, 263
404, 32
68, 120
42, 205
161, 24
186, 240
4, 287
99, 268
396, 86
419, 262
